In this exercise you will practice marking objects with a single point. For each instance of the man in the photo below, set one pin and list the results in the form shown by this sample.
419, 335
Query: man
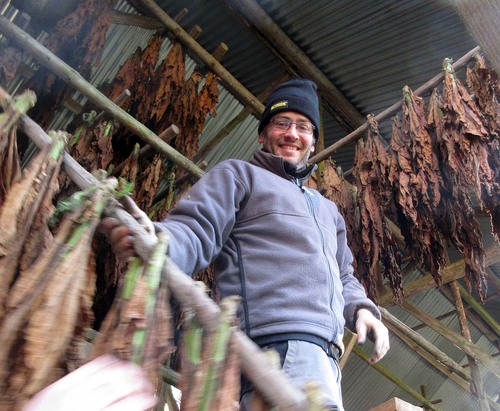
280, 246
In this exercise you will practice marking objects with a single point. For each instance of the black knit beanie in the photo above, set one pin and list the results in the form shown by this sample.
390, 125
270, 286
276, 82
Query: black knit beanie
298, 95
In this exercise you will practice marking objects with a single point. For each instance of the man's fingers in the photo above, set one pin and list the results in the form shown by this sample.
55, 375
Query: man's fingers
106, 225
381, 344
120, 237
361, 333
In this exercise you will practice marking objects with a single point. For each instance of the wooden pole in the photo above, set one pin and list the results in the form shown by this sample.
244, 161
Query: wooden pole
422, 342
356, 134
475, 319
461, 382
398, 381
72, 77
488, 319
461, 342
476, 378
349, 343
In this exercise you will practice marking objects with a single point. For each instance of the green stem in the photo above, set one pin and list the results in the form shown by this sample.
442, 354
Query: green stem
152, 272
59, 140
396, 380
217, 356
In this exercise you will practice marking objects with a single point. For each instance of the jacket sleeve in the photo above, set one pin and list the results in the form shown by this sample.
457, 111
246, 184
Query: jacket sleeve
202, 221
353, 291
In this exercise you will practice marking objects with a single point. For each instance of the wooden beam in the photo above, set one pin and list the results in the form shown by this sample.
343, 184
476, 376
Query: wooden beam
464, 383
475, 319
449, 273
493, 281
395, 379
458, 340
439, 318
448, 362
485, 316
350, 341
476, 378
461, 380
129, 19
344, 112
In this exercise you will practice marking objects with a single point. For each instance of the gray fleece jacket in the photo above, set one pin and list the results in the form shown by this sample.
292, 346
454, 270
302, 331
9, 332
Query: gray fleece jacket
280, 246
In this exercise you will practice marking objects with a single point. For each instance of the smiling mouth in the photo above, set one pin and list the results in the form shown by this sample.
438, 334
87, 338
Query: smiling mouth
290, 148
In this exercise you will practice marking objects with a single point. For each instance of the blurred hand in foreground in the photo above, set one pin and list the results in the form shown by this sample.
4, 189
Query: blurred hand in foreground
120, 237
105, 383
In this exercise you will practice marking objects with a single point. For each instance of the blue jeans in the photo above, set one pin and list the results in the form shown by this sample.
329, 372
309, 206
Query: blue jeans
303, 362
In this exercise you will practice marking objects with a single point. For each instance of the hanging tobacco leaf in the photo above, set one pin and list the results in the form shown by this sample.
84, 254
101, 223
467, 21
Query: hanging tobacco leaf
10, 168
168, 77
46, 300
377, 243
145, 87
485, 84
10, 60
460, 139
415, 178
138, 325
78, 39
330, 182
148, 182
20, 207
13, 109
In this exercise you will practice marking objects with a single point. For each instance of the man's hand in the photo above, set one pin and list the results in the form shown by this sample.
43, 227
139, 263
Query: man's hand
105, 383
119, 236
367, 325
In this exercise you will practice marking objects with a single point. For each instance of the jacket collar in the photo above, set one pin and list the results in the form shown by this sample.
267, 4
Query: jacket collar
276, 165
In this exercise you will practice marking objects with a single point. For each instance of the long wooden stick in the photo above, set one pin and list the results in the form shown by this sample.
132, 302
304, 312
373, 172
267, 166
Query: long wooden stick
422, 342
475, 374
469, 348
398, 381
461, 382
272, 383
356, 134
72, 77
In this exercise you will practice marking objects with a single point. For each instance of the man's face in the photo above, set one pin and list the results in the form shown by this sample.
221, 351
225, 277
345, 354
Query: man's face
293, 145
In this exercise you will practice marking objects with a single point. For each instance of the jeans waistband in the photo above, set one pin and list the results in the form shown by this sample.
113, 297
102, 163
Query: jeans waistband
329, 347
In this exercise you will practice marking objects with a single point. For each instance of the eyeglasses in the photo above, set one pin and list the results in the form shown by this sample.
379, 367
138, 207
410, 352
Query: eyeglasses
284, 124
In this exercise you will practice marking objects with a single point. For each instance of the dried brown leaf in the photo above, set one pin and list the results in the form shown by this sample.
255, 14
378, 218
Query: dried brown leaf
376, 245
18, 211
10, 168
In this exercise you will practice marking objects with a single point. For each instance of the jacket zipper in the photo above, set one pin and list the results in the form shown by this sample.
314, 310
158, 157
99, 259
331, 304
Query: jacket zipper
330, 276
